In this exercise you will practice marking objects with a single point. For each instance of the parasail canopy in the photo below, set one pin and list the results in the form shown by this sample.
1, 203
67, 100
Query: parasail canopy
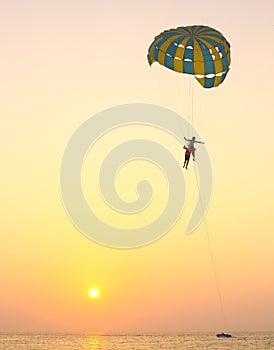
198, 50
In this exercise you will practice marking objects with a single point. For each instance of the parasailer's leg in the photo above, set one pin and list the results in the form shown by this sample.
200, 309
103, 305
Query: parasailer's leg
193, 152
186, 161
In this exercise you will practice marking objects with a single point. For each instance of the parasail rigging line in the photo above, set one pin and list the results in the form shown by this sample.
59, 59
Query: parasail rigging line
191, 116
210, 251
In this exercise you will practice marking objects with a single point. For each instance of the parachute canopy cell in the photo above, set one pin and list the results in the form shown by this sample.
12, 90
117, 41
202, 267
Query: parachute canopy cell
198, 50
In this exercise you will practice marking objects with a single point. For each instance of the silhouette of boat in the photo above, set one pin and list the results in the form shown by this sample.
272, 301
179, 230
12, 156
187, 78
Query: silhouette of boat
223, 335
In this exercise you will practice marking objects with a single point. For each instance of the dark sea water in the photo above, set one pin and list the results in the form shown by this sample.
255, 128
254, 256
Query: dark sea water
184, 341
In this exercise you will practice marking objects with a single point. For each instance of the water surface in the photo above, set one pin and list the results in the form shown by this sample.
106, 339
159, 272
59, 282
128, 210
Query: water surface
184, 341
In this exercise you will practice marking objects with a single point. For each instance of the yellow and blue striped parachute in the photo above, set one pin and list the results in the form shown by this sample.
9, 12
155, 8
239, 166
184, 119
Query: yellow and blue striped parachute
198, 50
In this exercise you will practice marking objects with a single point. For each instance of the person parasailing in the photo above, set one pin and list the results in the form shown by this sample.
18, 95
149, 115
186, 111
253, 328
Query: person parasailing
191, 147
187, 156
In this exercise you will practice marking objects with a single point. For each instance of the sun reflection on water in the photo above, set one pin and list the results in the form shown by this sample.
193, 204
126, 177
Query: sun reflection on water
92, 342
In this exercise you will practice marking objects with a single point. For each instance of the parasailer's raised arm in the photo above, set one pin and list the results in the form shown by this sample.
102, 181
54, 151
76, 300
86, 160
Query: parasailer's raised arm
192, 141
200, 142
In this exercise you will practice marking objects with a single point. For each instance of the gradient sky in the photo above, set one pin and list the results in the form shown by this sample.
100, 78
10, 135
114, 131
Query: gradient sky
63, 61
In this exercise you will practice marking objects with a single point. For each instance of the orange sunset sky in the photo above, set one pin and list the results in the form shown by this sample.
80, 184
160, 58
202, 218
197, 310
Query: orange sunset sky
64, 61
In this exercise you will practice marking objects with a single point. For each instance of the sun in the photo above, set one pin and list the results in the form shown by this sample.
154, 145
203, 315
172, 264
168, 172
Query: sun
94, 293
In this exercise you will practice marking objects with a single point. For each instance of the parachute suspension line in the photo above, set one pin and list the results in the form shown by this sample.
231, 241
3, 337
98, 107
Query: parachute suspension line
192, 108
190, 112
210, 251
188, 104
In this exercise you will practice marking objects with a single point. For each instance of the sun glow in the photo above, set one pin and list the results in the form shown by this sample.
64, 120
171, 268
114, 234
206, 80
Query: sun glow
94, 293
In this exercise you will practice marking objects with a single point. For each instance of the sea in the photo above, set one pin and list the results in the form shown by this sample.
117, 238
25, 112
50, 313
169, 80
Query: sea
184, 341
